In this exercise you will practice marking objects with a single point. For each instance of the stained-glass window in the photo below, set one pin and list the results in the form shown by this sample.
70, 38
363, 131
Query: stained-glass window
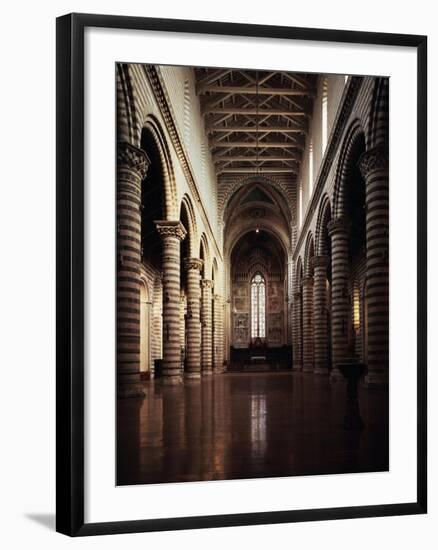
258, 306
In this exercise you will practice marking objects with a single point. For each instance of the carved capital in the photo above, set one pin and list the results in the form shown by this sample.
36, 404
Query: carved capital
129, 156
339, 225
168, 228
373, 160
206, 283
319, 261
193, 263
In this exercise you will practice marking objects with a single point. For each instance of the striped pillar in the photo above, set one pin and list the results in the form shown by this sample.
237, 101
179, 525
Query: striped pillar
218, 344
132, 165
193, 267
172, 233
289, 298
339, 230
374, 168
320, 264
308, 324
297, 335
206, 335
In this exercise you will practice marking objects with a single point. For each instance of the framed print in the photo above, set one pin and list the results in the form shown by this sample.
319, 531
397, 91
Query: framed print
241, 274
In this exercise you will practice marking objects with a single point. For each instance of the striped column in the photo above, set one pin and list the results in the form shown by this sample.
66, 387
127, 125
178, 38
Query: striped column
320, 264
218, 344
297, 335
374, 168
290, 279
193, 267
339, 230
206, 349
308, 324
132, 165
172, 233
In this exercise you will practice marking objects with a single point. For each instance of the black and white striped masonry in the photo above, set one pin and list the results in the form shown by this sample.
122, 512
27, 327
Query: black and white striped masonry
172, 233
132, 165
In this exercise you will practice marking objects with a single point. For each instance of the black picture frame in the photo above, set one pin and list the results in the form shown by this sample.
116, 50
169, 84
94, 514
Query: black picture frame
70, 273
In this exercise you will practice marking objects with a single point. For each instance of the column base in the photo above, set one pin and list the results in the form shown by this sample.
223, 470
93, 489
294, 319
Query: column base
130, 385
192, 375
297, 368
172, 380
206, 372
336, 375
307, 369
321, 370
376, 379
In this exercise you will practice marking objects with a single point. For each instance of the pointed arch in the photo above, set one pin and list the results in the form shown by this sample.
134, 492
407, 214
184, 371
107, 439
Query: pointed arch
322, 244
152, 125
299, 272
378, 122
309, 252
214, 271
204, 254
354, 143
266, 183
188, 219
127, 119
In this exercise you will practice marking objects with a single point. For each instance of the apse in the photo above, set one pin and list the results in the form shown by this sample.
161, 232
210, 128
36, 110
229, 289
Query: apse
258, 291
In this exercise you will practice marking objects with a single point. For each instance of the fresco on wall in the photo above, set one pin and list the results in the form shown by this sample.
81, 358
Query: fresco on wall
260, 259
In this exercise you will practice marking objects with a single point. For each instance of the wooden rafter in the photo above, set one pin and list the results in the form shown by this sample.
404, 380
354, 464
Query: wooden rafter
265, 158
258, 90
256, 120
262, 170
252, 144
252, 111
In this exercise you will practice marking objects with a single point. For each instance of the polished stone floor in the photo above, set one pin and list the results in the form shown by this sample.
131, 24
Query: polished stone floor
248, 425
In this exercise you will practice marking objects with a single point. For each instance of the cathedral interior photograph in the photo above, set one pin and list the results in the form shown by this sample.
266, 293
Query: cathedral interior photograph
252, 273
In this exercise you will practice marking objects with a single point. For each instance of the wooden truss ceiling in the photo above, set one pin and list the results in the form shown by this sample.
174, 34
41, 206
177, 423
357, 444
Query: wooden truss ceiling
256, 120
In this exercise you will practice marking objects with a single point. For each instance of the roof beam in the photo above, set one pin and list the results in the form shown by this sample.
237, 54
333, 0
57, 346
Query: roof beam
251, 111
263, 158
210, 78
254, 129
297, 79
250, 144
258, 91
257, 171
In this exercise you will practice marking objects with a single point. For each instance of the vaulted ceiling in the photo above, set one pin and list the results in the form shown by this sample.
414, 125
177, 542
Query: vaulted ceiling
256, 120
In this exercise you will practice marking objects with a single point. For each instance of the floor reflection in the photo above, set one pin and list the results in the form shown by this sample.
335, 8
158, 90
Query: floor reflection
248, 425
